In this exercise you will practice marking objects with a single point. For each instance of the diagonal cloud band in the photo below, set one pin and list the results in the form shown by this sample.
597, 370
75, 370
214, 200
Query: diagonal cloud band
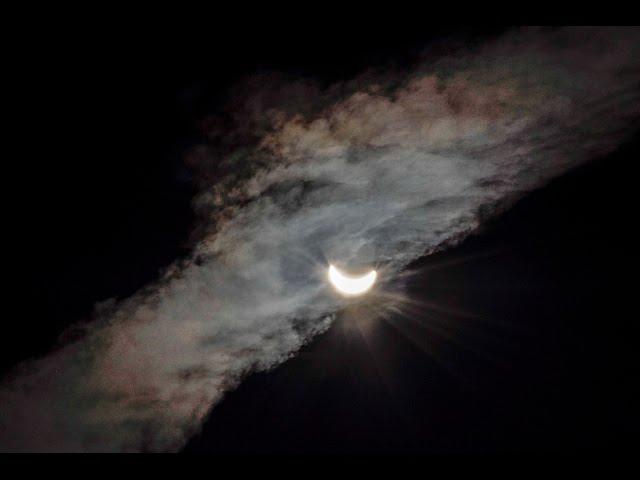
383, 169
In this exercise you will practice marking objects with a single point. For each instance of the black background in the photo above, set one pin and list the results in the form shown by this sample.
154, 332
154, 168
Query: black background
544, 360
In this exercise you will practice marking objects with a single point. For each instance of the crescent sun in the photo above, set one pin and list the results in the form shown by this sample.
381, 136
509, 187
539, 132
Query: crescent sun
351, 286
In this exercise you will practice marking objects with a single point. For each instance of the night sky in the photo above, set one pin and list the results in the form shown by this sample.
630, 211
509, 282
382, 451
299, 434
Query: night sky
523, 338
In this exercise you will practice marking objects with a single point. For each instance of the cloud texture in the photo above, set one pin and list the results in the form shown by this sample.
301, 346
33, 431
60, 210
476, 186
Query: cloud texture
380, 170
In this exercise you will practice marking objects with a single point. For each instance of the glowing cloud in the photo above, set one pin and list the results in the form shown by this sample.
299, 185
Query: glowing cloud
401, 166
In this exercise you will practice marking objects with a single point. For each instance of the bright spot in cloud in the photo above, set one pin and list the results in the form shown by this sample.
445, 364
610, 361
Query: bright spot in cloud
351, 286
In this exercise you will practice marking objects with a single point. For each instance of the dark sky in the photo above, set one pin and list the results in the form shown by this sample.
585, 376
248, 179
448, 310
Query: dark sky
530, 339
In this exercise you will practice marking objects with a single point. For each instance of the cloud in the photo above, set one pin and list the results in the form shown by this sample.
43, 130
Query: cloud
382, 169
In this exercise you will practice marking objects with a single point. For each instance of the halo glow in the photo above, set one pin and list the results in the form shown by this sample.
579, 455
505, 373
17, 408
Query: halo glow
351, 286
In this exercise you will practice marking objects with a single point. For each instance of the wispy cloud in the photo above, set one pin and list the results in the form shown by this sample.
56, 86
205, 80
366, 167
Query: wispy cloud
381, 170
